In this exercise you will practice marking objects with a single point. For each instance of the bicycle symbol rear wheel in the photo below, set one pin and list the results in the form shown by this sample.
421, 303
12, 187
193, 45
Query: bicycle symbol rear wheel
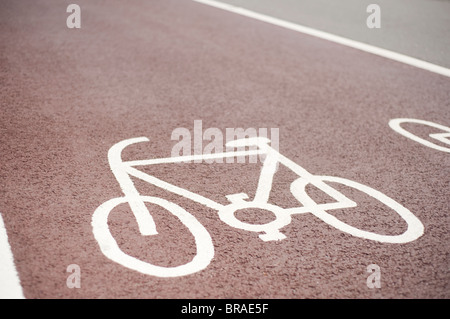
110, 248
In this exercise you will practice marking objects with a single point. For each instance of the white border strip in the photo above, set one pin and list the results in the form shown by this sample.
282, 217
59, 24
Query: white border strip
10, 287
330, 37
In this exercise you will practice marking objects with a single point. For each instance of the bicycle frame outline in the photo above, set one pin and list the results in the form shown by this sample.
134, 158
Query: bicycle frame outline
123, 171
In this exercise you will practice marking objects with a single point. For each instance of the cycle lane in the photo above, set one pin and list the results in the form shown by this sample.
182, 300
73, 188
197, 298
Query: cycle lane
70, 96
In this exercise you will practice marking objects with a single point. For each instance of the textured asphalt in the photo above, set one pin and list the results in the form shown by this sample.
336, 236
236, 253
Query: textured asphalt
149, 67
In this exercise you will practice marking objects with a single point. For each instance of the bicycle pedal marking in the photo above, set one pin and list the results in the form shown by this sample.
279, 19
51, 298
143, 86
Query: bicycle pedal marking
270, 231
444, 138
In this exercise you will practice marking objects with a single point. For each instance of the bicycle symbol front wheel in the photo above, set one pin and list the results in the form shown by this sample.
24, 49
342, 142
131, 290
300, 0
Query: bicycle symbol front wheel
414, 229
110, 248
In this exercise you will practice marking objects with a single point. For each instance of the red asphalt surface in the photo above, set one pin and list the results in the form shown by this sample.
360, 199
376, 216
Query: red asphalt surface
145, 68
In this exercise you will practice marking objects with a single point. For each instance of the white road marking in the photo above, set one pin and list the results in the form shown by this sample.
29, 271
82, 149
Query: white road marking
10, 287
268, 232
331, 37
395, 124
110, 248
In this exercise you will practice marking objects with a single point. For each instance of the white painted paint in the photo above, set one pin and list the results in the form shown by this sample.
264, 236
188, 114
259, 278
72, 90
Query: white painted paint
441, 137
415, 228
395, 124
10, 287
123, 171
110, 248
330, 37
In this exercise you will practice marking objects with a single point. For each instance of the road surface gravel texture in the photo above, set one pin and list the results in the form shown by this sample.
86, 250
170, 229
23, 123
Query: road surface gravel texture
145, 68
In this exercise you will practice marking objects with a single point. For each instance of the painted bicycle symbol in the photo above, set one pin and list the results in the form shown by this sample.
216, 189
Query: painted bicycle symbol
443, 137
124, 170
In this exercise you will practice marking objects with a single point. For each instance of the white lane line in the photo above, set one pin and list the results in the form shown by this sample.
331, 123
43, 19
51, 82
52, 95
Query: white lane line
10, 287
331, 37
